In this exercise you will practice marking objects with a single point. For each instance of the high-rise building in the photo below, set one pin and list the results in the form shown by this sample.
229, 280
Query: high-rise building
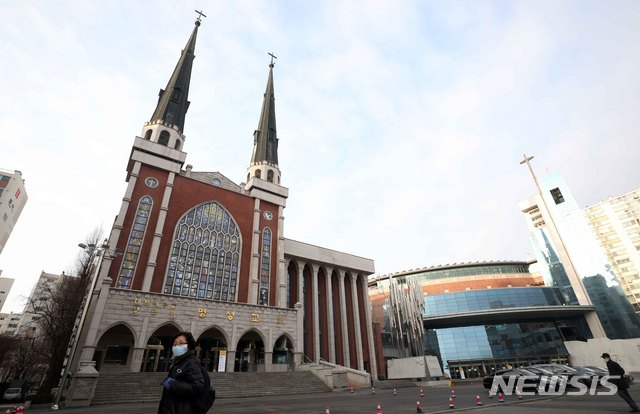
5, 288
41, 292
574, 262
13, 197
9, 323
616, 224
193, 250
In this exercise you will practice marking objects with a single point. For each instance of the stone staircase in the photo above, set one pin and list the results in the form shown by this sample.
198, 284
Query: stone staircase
146, 386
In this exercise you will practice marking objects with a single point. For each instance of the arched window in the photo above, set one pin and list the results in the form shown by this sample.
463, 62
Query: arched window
258, 173
147, 135
131, 253
177, 146
164, 138
248, 177
205, 256
265, 267
270, 176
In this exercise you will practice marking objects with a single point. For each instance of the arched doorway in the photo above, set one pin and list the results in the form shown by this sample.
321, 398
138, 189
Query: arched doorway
250, 353
114, 349
157, 352
211, 348
282, 359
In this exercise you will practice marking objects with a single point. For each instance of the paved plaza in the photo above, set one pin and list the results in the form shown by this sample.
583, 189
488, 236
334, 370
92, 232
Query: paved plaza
362, 401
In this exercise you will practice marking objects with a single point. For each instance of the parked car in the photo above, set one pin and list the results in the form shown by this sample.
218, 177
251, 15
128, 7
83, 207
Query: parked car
603, 371
531, 380
547, 376
16, 391
13, 395
566, 371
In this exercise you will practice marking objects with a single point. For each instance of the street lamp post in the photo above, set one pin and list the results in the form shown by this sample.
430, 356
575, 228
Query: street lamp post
80, 319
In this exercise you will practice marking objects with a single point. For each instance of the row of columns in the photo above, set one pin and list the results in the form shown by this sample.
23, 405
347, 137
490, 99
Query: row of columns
341, 303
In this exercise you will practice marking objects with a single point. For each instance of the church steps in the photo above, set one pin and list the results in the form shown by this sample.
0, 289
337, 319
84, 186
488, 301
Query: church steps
146, 386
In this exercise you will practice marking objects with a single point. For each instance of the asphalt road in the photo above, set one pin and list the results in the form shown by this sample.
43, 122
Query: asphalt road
362, 401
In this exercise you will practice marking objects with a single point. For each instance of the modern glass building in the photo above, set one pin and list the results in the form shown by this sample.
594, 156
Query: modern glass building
477, 317
572, 260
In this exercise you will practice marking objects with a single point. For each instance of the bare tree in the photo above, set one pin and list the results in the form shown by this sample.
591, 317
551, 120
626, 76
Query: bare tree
57, 309
8, 344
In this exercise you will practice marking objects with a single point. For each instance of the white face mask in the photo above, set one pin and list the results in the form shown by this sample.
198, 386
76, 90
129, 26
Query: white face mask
179, 349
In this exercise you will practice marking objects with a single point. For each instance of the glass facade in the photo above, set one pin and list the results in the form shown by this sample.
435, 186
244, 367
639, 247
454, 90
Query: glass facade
491, 269
562, 225
478, 300
488, 343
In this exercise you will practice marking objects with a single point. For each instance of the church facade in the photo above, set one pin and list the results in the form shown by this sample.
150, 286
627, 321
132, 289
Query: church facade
195, 251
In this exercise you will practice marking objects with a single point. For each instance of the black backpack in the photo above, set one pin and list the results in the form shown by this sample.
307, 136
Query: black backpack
202, 404
205, 400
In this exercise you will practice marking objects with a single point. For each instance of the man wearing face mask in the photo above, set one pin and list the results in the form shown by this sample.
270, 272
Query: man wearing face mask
184, 382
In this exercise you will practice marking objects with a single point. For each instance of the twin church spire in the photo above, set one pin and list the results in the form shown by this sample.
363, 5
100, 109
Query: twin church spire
173, 104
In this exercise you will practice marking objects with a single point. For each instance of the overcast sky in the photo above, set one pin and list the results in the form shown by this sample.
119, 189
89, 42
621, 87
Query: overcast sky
401, 123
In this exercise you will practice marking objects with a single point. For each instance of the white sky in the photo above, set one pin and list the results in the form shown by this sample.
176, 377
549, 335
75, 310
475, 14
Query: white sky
401, 123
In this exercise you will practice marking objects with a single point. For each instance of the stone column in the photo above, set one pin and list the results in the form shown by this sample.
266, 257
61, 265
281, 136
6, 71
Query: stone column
157, 234
136, 359
300, 283
268, 361
281, 278
86, 358
299, 344
316, 313
356, 322
231, 348
330, 327
345, 326
254, 264
372, 349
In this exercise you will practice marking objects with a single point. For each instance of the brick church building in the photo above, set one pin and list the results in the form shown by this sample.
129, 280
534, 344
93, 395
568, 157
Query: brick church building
196, 251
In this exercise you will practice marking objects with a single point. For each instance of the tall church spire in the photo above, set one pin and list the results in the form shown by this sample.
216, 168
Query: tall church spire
172, 101
265, 138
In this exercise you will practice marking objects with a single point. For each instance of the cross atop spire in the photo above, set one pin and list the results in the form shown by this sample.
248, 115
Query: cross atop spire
200, 16
271, 65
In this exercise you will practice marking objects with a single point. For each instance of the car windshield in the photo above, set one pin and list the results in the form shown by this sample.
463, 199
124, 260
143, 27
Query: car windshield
598, 369
12, 391
558, 368
539, 370
527, 372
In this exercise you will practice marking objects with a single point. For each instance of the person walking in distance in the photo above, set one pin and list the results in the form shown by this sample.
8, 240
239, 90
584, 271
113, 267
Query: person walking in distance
620, 381
184, 382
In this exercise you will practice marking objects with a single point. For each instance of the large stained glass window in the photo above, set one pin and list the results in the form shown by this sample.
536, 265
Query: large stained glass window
205, 255
265, 267
125, 277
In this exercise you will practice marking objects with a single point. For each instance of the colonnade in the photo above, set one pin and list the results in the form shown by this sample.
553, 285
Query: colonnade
337, 317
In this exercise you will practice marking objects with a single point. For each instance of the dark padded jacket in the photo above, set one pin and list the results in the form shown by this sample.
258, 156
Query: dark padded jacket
615, 369
188, 385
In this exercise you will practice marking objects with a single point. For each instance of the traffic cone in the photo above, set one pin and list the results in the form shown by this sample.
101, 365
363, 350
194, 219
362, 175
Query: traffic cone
327, 411
395, 392
418, 407
421, 392
351, 389
453, 394
379, 409
500, 397
271, 411
478, 401
491, 394
8, 411
373, 390
518, 394
451, 405
20, 409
